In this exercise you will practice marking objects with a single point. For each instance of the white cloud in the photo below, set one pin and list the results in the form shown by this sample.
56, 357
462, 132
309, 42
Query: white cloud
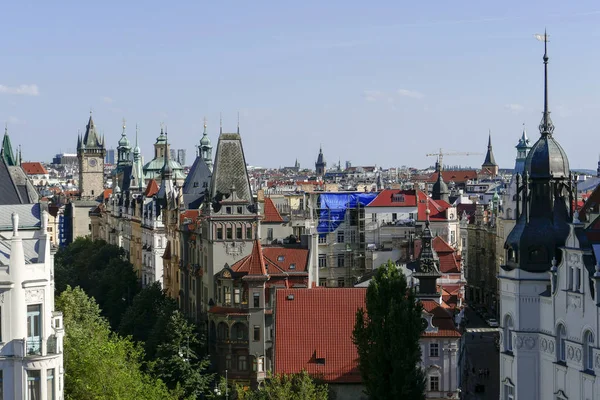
372, 95
12, 120
107, 99
410, 93
515, 108
27, 90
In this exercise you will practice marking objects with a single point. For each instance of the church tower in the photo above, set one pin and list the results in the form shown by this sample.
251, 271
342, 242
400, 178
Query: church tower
543, 212
91, 154
440, 189
320, 164
489, 165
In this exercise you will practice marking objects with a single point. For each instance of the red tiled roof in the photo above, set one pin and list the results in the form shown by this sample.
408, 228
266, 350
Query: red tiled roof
449, 259
152, 188
284, 258
318, 324
253, 264
437, 208
271, 213
34, 168
277, 260
442, 319
461, 176
390, 197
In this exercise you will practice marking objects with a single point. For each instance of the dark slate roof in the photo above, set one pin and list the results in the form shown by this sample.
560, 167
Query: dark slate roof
489, 157
230, 168
547, 159
90, 139
196, 183
16, 186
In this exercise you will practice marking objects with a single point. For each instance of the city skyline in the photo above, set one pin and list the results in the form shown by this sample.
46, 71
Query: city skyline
310, 75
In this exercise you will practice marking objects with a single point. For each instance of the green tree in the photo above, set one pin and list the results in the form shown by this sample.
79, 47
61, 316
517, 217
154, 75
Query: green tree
102, 271
177, 363
387, 335
100, 365
145, 320
286, 387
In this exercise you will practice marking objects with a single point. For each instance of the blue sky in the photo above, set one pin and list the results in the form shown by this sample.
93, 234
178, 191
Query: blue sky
374, 82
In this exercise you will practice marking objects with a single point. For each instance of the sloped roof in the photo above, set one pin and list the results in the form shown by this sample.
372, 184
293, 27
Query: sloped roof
34, 168
196, 183
229, 169
285, 259
442, 319
16, 186
394, 198
458, 176
318, 324
90, 139
448, 257
254, 263
437, 208
152, 188
271, 213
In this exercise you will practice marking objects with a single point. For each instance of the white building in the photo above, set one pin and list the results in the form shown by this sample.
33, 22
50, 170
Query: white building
154, 242
31, 345
550, 285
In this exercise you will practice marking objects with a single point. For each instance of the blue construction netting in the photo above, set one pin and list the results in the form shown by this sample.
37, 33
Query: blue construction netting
333, 208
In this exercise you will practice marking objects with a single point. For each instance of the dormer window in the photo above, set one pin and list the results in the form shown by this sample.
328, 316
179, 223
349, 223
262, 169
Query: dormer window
292, 266
280, 258
398, 198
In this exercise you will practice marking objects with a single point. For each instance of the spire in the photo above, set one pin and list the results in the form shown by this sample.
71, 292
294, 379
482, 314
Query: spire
90, 138
220, 123
238, 124
6, 151
490, 161
546, 125
440, 191
167, 172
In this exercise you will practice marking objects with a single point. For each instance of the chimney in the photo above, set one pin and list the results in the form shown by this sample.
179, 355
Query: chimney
16, 269
313, 251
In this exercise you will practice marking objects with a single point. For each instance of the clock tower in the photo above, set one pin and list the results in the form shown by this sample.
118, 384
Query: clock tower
90, 154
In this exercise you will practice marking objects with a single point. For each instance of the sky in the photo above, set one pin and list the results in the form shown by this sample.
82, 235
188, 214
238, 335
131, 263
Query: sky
376, 83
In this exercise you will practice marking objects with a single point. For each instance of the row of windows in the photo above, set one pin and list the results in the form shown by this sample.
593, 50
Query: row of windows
341, 282
239, 231
239, 331
341, 260
34, 384
561, 343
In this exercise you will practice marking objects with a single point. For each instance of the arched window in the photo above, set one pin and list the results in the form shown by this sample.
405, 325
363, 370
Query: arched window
588, 350
561, 343
508, 327
223, 331
239, 331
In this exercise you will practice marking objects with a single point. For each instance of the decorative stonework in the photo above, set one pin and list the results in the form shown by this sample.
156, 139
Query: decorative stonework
34, 295
578, 355
530, 342
573, 301
2, 298
234, 248
598, 361
574, 258
551, 347
519, 342
544, 344
570, 352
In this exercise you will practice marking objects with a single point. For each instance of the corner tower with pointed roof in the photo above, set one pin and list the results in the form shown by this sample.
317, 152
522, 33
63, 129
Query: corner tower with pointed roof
428, 267
91, 154
440, 189
489, 165
321, 163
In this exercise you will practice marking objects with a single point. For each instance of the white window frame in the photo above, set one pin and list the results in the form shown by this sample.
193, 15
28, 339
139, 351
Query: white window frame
509, 392
434, 350
430, 383
561, 343
588, 350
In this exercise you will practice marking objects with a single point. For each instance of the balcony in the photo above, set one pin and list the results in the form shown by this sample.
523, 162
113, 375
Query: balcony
34, 346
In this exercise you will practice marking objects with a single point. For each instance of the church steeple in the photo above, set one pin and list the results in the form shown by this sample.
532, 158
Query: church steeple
7, 152
428, 264
440, 189
321, 163
489, 165
547, 197
206, 148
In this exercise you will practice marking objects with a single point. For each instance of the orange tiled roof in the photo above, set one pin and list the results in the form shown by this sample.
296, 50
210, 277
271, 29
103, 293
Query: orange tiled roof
152, 188
390, 197
442, 319
277, 260
318, 324
34, 168
253, 264
271, 213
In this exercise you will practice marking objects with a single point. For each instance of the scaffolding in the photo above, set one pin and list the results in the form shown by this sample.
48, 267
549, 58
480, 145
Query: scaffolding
342, 239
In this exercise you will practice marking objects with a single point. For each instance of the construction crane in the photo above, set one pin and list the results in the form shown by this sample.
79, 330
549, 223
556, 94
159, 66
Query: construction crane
441, 154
